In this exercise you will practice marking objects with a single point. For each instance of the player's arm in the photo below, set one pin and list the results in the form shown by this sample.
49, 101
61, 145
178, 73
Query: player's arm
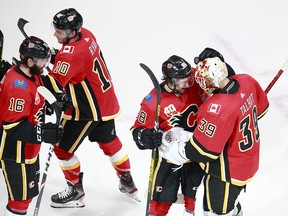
144, 135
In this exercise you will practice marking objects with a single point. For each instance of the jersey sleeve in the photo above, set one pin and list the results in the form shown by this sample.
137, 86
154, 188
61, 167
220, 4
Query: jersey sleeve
146, 115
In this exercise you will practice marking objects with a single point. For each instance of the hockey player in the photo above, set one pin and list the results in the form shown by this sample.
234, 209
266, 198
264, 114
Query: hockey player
22, 129
79, 66
226, 138
180, 100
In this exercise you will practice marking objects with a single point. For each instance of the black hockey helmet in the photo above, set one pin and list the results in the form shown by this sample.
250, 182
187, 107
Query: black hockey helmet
68, 19
34, 47
176, 67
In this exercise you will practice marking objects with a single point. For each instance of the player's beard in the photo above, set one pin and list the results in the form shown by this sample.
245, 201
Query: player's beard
35, 70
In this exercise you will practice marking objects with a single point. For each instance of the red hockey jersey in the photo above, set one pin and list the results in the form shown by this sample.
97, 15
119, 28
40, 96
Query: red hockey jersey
19, 102
227, 133
175, 109
80, 68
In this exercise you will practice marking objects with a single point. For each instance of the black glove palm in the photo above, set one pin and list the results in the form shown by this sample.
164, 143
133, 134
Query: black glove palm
51, 133
150, 138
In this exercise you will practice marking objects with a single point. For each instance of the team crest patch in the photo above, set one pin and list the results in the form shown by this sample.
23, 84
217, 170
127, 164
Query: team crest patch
214, 108
20, 83
148, 97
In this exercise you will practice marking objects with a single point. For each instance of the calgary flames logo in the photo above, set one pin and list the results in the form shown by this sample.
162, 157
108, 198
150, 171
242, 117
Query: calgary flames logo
187, 119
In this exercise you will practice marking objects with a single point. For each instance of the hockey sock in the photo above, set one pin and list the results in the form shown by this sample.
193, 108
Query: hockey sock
118, 157
18, 207
189, 203
159, 208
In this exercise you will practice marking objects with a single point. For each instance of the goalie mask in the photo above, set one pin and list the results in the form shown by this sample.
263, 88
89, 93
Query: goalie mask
210, 73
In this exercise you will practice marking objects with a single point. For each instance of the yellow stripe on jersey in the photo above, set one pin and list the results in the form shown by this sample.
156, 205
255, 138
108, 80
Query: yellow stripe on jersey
90, 100
53, 83
107, 118
240, 183
9, 126
74, 101
31, 161
262, 114
201, 151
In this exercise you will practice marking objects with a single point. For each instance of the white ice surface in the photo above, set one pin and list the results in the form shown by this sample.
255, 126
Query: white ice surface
251, 35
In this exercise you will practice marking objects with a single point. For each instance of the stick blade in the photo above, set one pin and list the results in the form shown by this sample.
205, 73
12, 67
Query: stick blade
46, 94
22, 22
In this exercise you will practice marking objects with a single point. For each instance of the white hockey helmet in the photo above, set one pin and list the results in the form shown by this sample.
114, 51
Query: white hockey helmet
210, 73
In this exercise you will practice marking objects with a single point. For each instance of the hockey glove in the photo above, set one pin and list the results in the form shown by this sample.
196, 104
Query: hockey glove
63, 101
150, 138
51, 133
53, 55
4, 67
208, 53
173, 145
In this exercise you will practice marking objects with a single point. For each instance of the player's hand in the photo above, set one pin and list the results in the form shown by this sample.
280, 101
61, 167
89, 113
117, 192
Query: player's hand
63, 101
150, 138
53, 54
208, 53
51, 133
174, 152
4, 67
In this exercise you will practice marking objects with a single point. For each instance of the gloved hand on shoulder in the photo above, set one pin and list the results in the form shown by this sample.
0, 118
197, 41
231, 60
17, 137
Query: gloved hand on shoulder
208, 53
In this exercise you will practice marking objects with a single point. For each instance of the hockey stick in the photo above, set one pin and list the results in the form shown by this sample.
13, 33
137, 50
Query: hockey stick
271, 84
1, 44
156, 127
58, 111
21, 23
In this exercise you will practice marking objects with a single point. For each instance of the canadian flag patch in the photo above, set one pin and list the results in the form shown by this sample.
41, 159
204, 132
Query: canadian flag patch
68, 49
214, 108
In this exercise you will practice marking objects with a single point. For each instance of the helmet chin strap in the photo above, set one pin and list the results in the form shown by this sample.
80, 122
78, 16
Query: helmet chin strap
170, 89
